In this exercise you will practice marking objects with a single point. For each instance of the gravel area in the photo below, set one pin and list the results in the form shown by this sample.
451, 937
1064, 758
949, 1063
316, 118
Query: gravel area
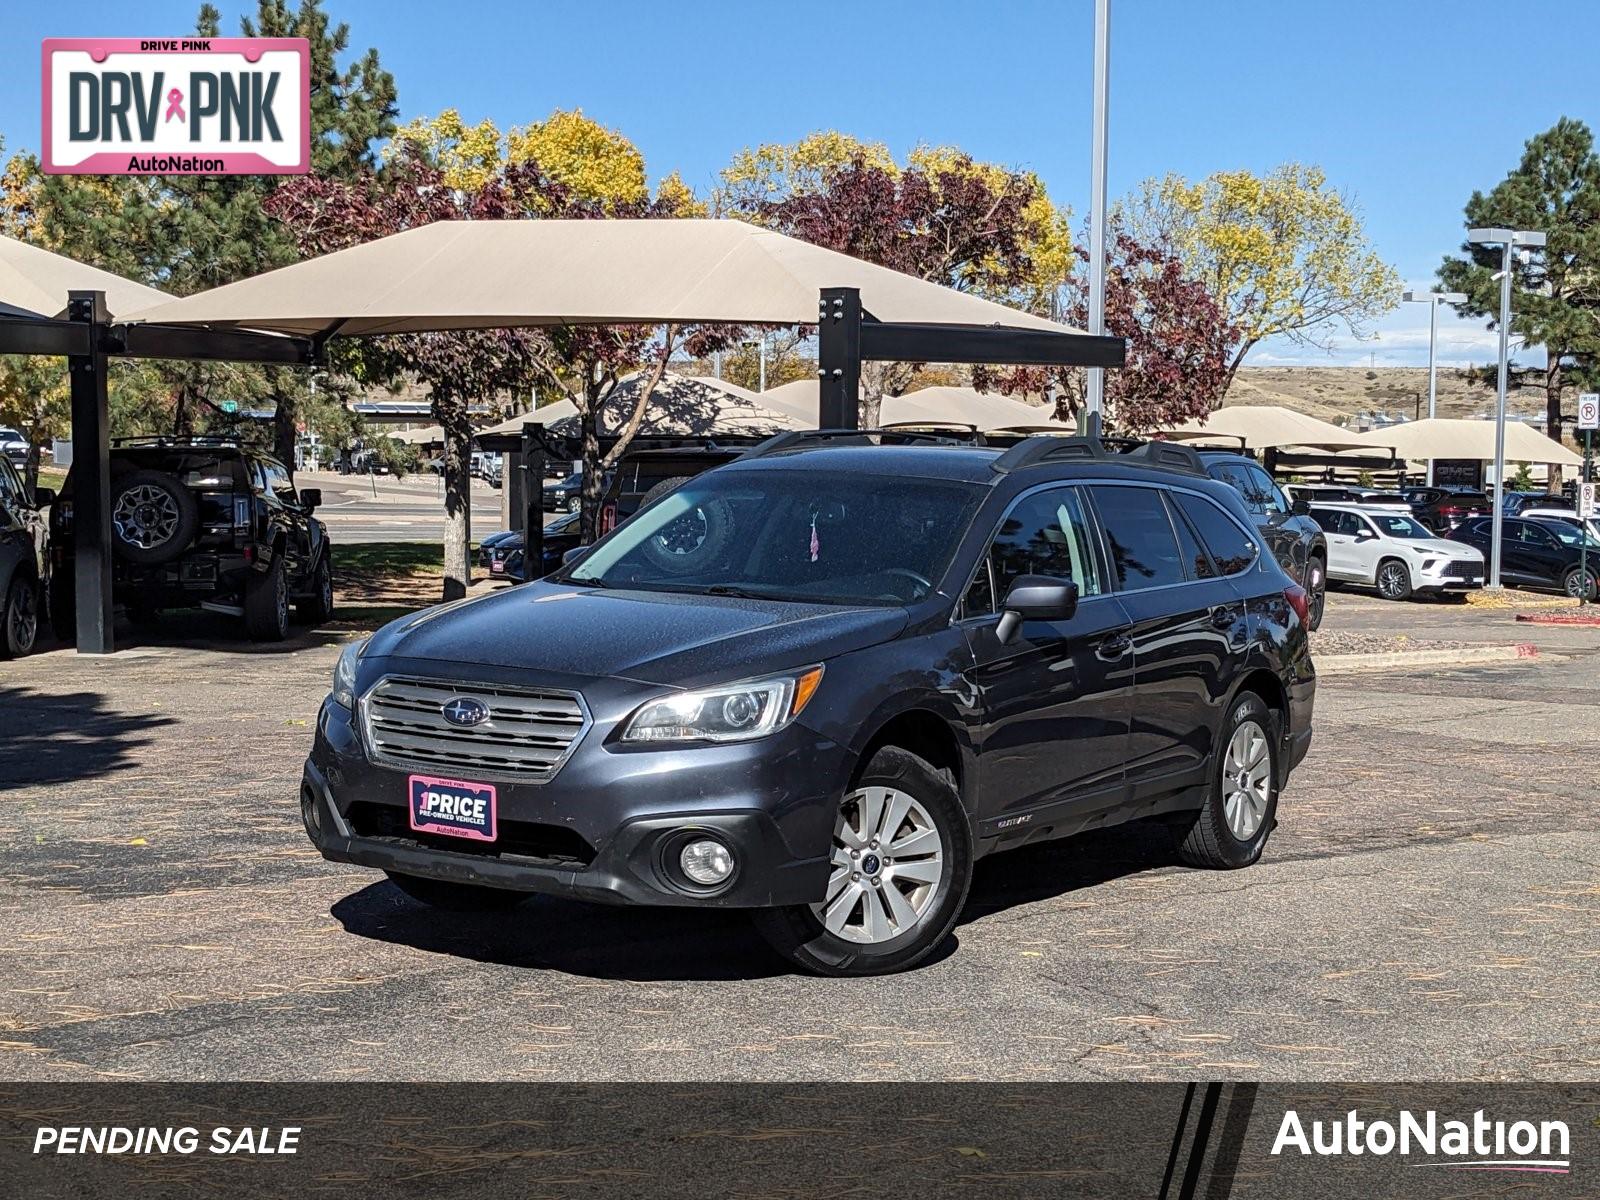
1350, 641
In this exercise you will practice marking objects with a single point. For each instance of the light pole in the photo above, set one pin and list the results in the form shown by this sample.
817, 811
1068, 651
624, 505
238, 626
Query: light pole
1509, 240
1433, 300
1095, 395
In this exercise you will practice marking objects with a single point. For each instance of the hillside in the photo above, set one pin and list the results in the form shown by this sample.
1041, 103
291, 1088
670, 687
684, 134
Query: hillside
1336, 393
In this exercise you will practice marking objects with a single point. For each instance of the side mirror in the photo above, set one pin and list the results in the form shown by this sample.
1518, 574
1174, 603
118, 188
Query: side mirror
43, 497
571, 557
1300, 506
1036, 598
1365, 535
310, 498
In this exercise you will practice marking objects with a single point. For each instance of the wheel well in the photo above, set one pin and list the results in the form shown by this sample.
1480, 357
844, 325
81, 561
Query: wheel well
1270, 688
923, 733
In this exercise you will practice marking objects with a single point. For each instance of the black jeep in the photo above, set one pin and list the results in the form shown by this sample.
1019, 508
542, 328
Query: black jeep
204, 522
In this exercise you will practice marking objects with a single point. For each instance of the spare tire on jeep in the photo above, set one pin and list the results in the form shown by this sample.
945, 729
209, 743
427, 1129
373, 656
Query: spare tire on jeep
153, 517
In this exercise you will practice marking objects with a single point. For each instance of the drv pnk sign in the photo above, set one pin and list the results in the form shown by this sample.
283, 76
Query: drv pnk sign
177, 106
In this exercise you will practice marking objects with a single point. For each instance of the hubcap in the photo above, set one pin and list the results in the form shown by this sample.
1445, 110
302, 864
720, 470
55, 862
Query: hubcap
685, 535
887, 861
1246, 780
145, 516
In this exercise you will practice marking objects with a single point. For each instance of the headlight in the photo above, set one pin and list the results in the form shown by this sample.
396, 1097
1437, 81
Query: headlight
733, 713
344, 674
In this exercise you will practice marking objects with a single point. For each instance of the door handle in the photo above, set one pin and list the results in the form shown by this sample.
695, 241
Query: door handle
1114, 647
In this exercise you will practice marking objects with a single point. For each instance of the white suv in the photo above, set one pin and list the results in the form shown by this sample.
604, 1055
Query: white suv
1394, 552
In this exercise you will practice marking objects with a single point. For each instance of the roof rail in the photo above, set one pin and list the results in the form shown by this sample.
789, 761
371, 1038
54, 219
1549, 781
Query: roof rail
801, 439
176, 439
1049, 448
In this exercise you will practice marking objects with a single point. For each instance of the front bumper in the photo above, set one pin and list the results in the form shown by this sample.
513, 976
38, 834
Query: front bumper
1450, 575
607, 826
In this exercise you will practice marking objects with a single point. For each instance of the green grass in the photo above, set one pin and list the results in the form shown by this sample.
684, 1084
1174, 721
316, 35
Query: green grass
389, 558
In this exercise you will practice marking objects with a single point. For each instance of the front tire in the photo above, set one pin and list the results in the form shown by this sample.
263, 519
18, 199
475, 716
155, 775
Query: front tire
266, 603
20, 616
455, 897
1241, 805
902, 857
1393, 580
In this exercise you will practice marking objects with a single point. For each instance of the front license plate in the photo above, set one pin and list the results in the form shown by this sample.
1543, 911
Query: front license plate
497, 567
453, 807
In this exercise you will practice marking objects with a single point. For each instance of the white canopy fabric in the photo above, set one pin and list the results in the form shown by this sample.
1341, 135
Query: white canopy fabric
680, 406
35, 283
491, 274
1265, 426
930, 406
1442, 437
426, 436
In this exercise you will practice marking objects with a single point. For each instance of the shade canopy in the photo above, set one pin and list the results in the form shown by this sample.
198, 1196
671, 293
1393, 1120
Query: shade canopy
428, 435
493, 274
1269, 426
680, 406
929, 406
1442, 437
35, 283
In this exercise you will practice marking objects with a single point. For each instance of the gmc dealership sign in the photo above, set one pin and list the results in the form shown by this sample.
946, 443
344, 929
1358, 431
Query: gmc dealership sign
177, 106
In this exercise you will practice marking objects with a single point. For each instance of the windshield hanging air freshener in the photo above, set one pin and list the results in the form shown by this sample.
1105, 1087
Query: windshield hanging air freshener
815, 545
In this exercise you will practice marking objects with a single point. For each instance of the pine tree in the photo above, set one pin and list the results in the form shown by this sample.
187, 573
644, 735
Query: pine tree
1555, 190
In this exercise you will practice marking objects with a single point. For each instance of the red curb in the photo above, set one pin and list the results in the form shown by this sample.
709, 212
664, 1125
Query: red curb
1557, 619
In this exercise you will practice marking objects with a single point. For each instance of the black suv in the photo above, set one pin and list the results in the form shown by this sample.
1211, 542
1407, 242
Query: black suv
203, 522
21, 540
875, 665
1296, 541
1539, 553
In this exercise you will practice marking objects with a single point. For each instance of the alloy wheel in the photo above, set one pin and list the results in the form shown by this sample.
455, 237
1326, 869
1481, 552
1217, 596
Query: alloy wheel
1392, 580
888, 858
24, 617
145, 516
1246, 780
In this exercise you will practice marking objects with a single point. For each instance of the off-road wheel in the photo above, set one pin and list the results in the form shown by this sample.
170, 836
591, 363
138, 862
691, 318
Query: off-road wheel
266, 603
153, 517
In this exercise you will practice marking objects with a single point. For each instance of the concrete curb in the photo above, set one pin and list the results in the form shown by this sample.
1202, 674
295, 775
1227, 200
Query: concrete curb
1349, 664
1558, 618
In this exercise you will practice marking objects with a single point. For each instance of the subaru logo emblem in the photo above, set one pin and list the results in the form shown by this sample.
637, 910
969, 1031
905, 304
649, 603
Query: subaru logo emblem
465, 711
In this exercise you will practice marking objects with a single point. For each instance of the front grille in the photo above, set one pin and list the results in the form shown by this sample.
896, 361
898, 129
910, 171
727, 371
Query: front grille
1461, 570
528, 735
548, 845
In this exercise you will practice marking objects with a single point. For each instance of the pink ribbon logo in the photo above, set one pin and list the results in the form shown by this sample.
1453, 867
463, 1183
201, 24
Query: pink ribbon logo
175, 105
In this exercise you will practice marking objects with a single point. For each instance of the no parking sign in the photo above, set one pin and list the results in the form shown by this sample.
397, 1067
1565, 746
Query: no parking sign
1589, 410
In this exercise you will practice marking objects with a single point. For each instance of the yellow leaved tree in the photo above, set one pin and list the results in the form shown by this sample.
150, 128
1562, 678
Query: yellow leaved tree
1284, 253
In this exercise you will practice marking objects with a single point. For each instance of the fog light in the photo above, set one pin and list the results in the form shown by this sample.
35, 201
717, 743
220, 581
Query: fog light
706, 862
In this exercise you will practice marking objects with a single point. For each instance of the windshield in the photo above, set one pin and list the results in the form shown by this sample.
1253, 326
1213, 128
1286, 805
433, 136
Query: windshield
813, 536
1398, 525
1570, 535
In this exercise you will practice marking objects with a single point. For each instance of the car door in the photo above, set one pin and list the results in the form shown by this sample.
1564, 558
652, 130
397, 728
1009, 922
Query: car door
1344, 555
288, 516
1540, 557
17, 546
1055, 701
1188, 621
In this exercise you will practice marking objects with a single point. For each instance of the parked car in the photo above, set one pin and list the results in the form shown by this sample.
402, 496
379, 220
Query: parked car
1565, 513
878, 664
1394, 552
560, 536
21, 561
1293, 538
13, 446
1544, 555
1515, 503
564, 495
1320, 493
1443, 509
1390, 501
203, 522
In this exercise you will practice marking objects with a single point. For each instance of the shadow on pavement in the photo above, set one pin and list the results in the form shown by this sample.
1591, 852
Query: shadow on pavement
196, 629
52, 737
665, 944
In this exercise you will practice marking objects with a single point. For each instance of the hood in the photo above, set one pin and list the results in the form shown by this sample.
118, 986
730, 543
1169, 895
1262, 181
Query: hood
653, 637
1447, 548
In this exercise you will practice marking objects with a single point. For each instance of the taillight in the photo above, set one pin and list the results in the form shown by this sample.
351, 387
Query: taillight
1299, 601
608, 518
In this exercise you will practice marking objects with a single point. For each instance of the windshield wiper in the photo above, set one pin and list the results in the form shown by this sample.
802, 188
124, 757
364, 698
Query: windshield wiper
587, 581
723, 589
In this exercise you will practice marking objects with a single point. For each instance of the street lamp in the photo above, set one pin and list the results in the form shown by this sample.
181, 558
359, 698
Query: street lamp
1509, 240
1433, 300
1095, 392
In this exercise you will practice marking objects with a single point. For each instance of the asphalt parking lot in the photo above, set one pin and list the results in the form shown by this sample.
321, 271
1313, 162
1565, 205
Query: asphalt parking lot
1428, 909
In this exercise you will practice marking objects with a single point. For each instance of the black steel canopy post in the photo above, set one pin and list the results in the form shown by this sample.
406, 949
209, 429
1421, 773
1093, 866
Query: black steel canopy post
91, 477
839, 359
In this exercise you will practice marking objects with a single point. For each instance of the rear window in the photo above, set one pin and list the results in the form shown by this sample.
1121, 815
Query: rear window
1231, 548
1144, 547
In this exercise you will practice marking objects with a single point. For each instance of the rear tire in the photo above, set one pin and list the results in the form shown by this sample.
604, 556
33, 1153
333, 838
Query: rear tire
266, 603
894, 781
455, 897
20, 616
1316, 591
1232, 828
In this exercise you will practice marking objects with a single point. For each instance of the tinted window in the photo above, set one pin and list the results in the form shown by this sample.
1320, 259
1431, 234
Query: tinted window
1196, 562
1231, 548
1043, 534
10, 487
1144, 549
1329, 519
1528, 534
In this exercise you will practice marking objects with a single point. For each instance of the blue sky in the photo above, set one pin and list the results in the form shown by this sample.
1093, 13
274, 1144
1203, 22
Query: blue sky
1405, 104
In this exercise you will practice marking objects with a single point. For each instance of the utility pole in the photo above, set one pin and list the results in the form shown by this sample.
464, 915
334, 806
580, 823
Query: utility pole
1433, 300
